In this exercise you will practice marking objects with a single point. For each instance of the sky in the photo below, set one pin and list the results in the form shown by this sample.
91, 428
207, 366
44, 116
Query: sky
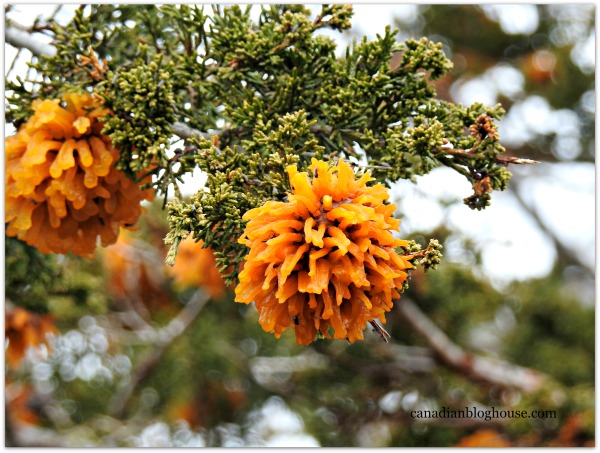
564, 194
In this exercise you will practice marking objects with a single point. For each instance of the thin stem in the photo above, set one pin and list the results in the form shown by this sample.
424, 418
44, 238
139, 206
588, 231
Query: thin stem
474, 367
185, 132
385, 336
12, 65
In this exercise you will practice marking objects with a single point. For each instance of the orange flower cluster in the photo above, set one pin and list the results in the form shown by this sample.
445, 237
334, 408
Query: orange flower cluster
136, 273
24, 329
62, 188
325, 258
196, 267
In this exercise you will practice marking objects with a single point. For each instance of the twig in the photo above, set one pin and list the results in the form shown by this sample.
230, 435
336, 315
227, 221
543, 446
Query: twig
20, 38
516, 160
165, 338
385, 336
471, 154
185, 132
12, 65
474, 367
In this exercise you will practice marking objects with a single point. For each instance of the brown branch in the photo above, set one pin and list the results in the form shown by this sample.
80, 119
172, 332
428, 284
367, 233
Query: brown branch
516, 160
474, 367
471, 154
165, 337
385, 336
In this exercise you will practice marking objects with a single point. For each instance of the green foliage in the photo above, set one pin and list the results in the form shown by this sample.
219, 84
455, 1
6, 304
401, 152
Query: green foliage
555, 327
271, 91
29, 275
277, 72
49, 283
237, 182
142, 115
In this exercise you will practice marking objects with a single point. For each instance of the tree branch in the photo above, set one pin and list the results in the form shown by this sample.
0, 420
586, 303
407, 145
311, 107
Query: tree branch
185, 132
23, 39
474, 367
165, 337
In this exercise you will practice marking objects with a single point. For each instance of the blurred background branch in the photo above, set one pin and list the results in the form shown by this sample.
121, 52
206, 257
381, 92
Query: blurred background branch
163, 338
472, 366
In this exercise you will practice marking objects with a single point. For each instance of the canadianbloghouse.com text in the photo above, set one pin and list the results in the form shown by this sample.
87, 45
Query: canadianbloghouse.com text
484, 414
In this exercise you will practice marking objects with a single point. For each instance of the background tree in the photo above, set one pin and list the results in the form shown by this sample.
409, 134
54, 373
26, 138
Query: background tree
149, 355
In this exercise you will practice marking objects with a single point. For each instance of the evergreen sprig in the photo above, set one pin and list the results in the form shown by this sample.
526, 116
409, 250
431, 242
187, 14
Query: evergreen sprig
270, 92
141, 123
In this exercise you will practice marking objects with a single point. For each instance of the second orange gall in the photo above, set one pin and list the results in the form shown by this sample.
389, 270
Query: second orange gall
325, 260
62, 188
